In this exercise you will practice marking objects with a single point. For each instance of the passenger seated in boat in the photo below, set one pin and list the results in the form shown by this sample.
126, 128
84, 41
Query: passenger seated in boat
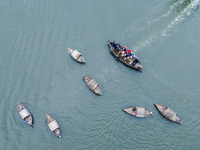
119, 55
128, 52
124, 48
117, 45
123, 54
134, 108
135, 62
113, 43
118, 49
130, 55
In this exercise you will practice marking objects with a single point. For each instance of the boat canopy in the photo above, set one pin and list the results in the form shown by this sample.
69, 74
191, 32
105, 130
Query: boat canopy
53, 125
170, 113
24, 113
75, 54
92, 84
140, 111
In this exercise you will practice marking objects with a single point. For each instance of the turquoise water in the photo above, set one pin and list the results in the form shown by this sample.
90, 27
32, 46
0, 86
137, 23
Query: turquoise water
37, 71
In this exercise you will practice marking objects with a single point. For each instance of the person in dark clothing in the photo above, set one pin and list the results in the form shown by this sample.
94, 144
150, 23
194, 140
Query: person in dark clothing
113, 43
135, 62
134, 108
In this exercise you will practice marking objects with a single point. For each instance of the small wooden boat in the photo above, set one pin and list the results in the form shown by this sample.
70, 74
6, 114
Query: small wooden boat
53, 125
93, 85
25, 114
76, 55
119, 50
138, 111
168, 113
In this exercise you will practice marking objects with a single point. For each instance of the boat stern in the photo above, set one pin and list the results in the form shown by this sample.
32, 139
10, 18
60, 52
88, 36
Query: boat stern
98, 91
129, 110
58, 132
150, 113
138, 66
81, 59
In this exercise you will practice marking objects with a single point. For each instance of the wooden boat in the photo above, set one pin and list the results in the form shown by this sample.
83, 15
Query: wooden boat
76, 55
93, 85
25, 114
53, 125
138, 111
168, 113
118, 51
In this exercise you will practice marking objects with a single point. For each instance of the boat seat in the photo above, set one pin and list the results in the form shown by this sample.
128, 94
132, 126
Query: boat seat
140, 111
75, 54
53, 125
24, 113
92, 84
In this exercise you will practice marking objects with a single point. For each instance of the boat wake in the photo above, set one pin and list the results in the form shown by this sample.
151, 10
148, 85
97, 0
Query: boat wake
178, 12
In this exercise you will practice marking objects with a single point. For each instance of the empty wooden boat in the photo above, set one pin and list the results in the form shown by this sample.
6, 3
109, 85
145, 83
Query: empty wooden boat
93, 85
25, 114
76, 55
53, 125
138, 111
125, 55
168, 113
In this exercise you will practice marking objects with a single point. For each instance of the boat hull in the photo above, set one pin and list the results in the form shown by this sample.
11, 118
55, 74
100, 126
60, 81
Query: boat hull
133, 63
138, 111
92, 85
168, 113
53, 125
76, 55
25, 114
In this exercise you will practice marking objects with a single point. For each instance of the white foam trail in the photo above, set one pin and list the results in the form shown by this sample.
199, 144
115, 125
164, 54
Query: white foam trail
171, 8
187, 11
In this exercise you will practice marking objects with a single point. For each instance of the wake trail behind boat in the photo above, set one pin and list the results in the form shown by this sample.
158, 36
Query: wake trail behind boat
186, 11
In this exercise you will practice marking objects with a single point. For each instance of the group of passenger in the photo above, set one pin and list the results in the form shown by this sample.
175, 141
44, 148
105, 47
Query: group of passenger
126, 54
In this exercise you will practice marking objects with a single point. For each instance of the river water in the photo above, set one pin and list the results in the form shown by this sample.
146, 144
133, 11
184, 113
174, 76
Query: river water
37, 71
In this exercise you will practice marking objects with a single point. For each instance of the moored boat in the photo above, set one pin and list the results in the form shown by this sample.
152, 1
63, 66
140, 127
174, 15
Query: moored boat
92, 85
138, 111
125, 55
25, 114
76, 55
168, 113
53, 125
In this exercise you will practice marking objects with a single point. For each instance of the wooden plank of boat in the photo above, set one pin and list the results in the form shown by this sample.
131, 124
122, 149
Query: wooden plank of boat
76, 55
168, 113
131, 62
53, 125
25, 114
138, 111
92, 85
